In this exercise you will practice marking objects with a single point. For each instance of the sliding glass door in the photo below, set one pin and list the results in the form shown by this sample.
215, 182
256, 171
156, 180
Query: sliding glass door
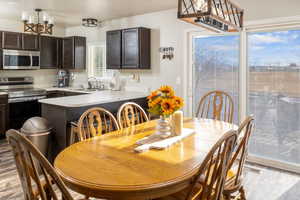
216, 67
274, 95
270, 73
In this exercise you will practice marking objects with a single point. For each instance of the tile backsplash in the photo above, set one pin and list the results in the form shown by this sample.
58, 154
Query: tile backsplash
45, 77
42, 78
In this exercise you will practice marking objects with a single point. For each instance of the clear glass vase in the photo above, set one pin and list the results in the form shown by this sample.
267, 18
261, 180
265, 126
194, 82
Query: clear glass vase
163, 127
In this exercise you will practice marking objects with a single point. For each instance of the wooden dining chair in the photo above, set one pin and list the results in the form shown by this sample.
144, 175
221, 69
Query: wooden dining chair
208, 183
38, 178
216, 105
94, 122
234, 182
131, 114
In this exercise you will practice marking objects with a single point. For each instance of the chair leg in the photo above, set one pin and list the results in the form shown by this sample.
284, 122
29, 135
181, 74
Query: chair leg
242, 193
226, 197
72, 137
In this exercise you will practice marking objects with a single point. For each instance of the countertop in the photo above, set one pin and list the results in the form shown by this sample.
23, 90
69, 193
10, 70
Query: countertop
94, 98
3, 93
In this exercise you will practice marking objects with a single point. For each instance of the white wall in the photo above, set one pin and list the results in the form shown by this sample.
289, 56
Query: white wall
42, 78
166, 31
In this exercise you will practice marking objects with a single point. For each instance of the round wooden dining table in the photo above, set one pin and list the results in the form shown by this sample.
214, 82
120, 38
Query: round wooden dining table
108, 167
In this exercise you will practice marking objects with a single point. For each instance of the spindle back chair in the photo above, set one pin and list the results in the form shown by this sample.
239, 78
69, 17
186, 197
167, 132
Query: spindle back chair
216, 105
131, 114
94, 122
208, 184
234, 183
36, 174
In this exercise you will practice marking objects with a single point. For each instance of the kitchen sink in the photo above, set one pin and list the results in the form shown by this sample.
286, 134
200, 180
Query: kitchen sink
87, 90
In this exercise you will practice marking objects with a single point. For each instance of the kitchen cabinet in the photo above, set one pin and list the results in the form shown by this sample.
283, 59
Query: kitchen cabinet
20, 41
114, 49
66, 53
134, 46
50, 49
3, 115
30, 42
74, 52
11, 40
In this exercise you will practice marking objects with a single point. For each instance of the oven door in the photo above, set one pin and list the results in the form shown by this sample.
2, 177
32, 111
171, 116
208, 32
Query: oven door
13, 59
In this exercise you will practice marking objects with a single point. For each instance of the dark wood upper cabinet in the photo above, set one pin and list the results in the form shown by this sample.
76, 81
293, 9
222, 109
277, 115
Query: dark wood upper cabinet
30, 42
113, 49
59, 51
129, 46
74, 52
11, 40
50, 52
68, 53
79, 52
130, 50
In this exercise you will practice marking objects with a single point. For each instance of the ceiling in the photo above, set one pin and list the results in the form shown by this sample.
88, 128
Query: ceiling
70, 12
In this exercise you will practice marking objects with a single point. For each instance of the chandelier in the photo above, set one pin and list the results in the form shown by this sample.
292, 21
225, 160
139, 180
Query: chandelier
32, 23
215, 15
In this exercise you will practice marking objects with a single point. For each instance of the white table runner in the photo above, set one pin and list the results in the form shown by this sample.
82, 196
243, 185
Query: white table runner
156, 142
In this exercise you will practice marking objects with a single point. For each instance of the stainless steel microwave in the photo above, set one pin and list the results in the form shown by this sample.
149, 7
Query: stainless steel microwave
16, 59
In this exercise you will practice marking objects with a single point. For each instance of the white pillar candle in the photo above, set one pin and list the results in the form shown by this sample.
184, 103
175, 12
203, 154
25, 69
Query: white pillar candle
177, 122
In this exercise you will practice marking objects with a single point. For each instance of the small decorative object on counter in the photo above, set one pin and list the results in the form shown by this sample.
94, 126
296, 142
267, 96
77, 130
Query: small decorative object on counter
115, 83
177, 122
164, 103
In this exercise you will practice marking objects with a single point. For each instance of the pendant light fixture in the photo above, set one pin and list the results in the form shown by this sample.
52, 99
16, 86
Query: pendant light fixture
34, 24
215, 15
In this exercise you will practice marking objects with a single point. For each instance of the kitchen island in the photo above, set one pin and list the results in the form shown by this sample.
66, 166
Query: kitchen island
63, 110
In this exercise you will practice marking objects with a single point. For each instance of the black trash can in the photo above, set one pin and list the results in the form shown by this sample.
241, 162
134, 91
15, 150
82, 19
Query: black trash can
38, 130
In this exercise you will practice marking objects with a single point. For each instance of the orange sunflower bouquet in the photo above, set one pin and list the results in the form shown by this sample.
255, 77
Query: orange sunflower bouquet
163, 102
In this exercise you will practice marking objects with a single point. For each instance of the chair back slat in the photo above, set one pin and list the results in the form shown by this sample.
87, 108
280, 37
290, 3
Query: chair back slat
37, 176
212, 172
240, 154
131, 114
216, 105
94, 122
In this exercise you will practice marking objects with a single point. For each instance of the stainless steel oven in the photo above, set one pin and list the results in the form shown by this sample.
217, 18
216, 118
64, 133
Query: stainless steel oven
22, 98
16, 59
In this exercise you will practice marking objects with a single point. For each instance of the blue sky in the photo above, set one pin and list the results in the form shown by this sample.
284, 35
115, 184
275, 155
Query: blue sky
225, 49
279, 48
274, 48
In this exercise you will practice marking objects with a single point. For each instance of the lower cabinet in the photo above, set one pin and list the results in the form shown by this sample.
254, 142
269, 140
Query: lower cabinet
3, 116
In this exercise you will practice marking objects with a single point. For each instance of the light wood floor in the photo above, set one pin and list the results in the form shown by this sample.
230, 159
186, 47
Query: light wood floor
261, 183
